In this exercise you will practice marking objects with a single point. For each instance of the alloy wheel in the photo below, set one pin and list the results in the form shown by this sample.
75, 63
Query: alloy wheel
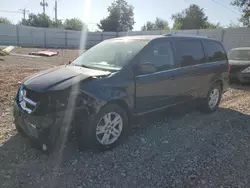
214, 98
109, 128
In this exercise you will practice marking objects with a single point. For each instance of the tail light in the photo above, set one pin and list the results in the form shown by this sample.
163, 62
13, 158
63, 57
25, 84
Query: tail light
228, 68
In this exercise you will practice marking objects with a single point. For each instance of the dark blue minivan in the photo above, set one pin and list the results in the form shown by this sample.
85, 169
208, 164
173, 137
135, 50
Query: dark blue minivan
99, 92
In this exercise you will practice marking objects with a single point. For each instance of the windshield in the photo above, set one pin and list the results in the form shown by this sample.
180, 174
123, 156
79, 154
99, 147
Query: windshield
110, 55
243, 54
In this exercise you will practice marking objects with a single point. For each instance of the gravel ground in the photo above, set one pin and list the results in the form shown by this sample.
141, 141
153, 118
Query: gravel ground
181, 148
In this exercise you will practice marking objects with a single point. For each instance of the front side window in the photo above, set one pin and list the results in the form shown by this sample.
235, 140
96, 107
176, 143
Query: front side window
214, 51
189, 52
243, 54
160, 55
110, 55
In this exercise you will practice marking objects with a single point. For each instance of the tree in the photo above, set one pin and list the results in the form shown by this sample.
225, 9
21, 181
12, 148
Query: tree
120, 18
57, 24
214, 26
177, 26
192, 18
233, 25
43, 20
39, 20
158, 24
244, 6
4, 20
74, 24
161, 24
149, 26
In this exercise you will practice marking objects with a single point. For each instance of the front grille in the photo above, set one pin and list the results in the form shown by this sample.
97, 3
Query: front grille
48, 102
40, 98
35, 96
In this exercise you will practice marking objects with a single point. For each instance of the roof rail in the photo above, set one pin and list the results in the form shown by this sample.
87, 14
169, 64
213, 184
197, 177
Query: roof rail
181, 35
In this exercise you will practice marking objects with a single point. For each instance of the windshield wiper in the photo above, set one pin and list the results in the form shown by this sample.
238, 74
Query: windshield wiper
84, 66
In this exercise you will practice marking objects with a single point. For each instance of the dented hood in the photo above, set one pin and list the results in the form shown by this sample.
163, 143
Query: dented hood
60, 77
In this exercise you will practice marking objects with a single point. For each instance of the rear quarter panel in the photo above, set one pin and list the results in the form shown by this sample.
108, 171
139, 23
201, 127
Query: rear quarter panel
218, 71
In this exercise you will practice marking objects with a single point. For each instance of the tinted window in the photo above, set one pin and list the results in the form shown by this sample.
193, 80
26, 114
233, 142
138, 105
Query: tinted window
160, 55
214, 51
189, 52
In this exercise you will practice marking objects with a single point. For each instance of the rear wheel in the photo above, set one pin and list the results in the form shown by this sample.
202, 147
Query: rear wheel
212, 101
108, 127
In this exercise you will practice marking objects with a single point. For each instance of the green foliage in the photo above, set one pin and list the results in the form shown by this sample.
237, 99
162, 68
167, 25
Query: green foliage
39, 20
120, 18
43, 20
177, 26
74, 24
192, 18
214, 26
233, 25
149, 26
57, 24
158, 24
244, 6
4, 20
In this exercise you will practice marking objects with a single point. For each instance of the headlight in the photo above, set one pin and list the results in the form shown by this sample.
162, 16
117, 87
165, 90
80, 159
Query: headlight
20, 93
246, 70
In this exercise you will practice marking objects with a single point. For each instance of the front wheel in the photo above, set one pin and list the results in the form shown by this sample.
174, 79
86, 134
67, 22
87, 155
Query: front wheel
108, 127
212, 101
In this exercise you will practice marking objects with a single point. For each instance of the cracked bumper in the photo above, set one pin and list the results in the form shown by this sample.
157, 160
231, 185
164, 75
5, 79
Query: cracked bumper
46, 130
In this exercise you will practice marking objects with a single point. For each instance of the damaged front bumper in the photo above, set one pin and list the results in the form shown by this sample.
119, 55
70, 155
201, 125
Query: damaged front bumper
48, 131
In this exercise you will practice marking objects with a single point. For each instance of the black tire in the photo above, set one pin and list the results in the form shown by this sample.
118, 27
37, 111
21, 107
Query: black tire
87, 137
205, 107
20, 131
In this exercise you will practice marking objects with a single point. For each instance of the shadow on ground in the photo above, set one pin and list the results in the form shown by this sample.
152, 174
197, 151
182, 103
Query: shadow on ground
178, 150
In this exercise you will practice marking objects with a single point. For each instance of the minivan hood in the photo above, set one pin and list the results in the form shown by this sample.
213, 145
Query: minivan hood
239, 62
60, 77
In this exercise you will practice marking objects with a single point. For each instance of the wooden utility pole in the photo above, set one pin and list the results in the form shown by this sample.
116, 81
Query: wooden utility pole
56, 11
24, 11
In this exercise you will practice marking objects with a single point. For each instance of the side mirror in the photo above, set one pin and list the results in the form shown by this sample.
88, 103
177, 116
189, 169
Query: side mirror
69, 62
146, 68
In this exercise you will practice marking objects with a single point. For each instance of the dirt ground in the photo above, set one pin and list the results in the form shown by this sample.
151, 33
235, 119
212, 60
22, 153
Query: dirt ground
191, 149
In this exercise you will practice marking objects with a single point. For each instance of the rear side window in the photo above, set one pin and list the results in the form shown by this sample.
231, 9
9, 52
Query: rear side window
159, 54
214, 50
189, 52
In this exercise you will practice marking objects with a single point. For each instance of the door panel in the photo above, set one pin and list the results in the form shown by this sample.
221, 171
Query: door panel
156, 89
191, 58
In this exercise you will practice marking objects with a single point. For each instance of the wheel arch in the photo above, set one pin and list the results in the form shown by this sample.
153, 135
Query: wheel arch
212, 82
121, 103
218, 81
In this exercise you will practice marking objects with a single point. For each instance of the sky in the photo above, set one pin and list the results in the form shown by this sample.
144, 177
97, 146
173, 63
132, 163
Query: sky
92, 11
